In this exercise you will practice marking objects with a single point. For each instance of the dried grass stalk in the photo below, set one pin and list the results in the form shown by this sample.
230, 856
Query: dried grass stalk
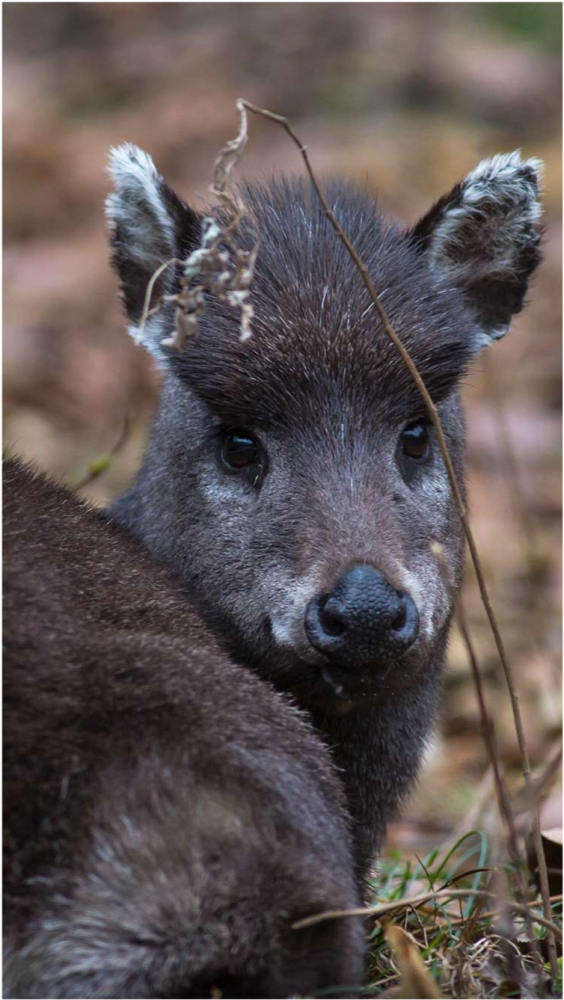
218, 267
435, 420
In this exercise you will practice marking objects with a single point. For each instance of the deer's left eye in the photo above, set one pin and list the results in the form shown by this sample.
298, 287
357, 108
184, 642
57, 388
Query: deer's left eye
415, 442
241, 452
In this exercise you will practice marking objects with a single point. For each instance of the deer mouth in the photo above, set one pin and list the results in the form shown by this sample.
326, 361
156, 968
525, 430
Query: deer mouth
343, 688
335, 684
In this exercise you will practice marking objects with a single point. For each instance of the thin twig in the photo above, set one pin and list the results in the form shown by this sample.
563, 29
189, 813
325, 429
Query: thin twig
435, 420
503, 797
488, 734
101, 465
149, 292
488, 914
218, 267
425, 897
511, 471
471, 819
489, 737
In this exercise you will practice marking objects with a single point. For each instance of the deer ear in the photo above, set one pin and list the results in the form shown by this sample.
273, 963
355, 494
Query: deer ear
481, 238
149, 225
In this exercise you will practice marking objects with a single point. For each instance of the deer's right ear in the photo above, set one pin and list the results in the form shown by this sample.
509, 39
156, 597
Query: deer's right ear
483, 238
149, 225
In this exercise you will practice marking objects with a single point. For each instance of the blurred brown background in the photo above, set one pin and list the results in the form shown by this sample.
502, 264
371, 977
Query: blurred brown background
404, 97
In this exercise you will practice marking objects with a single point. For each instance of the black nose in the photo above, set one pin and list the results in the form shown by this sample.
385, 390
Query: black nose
363, 622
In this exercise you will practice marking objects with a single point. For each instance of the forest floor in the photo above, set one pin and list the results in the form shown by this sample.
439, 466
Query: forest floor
405, 105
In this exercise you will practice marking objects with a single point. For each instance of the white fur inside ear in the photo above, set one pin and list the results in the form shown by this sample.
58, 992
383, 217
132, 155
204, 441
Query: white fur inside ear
503, 168
505, 178
138, 189
144, 238
490, 219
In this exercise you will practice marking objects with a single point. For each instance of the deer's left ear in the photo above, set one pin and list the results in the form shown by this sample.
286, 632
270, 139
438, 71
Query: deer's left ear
150, 225
482, 238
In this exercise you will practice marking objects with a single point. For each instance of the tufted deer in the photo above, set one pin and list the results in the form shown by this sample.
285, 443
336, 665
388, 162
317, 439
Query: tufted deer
292, 480
168, 814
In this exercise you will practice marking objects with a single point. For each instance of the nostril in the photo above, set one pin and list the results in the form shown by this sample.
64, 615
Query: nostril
406, 624
333, 619
332, 624
324, 625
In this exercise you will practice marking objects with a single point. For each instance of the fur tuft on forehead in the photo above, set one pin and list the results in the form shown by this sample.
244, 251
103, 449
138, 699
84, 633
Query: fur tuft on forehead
317, 341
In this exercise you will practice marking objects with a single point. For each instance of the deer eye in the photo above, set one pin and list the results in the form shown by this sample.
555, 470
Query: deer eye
416, 442
241, 452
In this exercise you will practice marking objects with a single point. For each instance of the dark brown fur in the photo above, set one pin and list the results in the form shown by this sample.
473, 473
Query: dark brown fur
168, 815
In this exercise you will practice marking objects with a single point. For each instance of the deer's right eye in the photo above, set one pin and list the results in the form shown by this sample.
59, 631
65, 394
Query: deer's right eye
241, 452
416, 441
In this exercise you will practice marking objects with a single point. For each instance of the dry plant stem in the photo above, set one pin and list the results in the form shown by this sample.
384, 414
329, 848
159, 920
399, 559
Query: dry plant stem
511, 470
471, 819
92, 476
488, 914
434, 416
488, 736
425, 897
217, 267
505, 928
546, 775
149, 291
503, 797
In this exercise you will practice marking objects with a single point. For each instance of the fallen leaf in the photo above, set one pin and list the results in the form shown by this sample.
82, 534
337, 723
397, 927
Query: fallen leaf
416, 982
